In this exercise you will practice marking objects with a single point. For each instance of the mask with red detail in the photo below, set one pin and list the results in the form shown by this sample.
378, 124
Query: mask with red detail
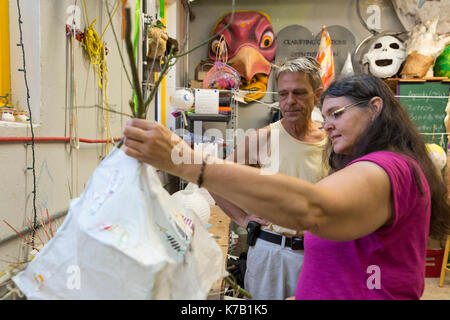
251, 47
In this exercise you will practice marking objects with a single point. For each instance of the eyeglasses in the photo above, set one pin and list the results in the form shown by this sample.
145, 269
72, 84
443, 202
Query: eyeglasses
338, 112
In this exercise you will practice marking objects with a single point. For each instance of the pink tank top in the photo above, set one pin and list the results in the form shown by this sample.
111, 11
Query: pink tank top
386, 264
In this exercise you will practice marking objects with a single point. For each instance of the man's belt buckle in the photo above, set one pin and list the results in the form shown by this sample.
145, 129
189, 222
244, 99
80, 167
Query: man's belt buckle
297, 243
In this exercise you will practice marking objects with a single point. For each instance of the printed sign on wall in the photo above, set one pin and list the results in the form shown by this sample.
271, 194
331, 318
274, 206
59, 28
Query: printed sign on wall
297, 41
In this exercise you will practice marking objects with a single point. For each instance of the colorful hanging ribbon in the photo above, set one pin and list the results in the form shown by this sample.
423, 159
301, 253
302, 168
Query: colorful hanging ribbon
325, 59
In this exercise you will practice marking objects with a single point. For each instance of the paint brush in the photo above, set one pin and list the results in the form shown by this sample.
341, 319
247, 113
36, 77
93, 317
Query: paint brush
43, 222
49, 223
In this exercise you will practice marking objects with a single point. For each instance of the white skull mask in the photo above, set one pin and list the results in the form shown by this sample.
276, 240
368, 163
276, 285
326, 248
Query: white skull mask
385, 57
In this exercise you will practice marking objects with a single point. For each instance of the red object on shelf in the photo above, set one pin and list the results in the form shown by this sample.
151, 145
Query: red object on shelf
434, 263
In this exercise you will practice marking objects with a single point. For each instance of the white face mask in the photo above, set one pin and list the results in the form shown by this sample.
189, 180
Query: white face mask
385, 57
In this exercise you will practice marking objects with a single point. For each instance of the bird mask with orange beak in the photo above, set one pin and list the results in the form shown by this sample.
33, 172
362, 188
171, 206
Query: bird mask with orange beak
251, 47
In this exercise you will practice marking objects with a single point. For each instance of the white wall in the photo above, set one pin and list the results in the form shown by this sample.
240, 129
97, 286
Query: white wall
61, 171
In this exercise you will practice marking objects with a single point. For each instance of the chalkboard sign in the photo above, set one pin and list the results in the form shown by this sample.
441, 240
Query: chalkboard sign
425, 102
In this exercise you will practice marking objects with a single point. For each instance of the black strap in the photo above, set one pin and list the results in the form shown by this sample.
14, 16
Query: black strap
295, 243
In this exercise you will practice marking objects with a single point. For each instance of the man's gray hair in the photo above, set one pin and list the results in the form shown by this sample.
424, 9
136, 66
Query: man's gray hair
308, 65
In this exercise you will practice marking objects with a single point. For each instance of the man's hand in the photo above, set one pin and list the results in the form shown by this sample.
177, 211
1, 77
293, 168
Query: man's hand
252, 217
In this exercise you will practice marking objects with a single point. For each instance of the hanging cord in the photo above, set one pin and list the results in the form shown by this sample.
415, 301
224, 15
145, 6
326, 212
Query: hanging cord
24, 70
97, 56
94, 48
74, 139
71, 113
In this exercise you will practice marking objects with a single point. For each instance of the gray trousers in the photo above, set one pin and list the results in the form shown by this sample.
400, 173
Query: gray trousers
272, 271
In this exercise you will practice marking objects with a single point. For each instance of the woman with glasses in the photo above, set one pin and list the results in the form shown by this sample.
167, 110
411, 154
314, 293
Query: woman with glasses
367, 222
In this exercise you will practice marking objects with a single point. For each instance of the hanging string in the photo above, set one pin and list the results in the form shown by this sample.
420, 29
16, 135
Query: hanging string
97, 56
73, 120
33, 167
117, 7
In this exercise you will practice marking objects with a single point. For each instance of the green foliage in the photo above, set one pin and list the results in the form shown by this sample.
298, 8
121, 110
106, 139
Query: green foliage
442, 64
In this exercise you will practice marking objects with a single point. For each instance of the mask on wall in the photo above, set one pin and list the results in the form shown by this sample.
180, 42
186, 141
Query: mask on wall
385, 57
251, 47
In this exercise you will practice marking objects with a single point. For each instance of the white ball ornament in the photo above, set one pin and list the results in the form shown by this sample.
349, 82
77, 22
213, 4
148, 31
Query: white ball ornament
182, 100
437, 155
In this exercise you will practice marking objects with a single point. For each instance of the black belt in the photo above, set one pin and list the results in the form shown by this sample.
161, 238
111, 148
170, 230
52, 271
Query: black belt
294, 243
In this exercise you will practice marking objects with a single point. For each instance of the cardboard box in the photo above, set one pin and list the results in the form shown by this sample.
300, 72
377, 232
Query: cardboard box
196, 84
201, 75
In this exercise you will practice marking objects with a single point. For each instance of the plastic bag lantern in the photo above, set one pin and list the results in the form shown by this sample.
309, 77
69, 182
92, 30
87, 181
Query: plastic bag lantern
385, 57
251, 45
196, 199
221, 76
124, 238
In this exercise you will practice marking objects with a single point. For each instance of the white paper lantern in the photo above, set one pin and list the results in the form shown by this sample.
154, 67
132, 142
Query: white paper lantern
182, 100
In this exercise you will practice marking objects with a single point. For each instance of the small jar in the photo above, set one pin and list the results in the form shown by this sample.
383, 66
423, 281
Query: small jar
8, 115
21, 116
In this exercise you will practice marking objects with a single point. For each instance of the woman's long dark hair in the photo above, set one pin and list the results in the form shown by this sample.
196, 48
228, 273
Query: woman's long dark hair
394, 131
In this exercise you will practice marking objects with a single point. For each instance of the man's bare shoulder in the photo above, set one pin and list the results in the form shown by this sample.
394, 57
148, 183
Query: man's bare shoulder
257, 134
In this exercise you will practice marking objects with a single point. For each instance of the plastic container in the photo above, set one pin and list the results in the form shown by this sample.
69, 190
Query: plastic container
434, 263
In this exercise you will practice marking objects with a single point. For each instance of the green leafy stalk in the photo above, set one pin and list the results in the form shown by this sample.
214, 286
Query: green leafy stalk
134, 72
237, 287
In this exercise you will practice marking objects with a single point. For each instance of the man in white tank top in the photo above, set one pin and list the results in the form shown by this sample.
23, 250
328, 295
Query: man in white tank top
293, 146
